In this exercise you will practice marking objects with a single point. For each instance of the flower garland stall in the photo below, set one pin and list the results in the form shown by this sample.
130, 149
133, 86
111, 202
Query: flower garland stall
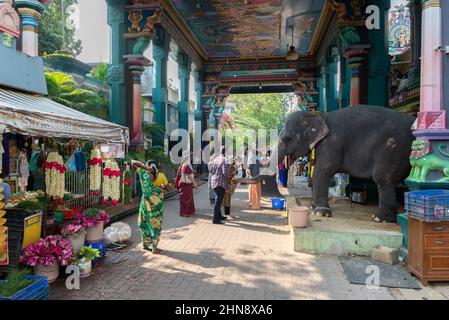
95, 164
111, 183
55, 175
127, 185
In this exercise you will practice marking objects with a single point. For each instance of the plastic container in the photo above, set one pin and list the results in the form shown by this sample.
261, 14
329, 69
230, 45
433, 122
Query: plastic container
95, 233
51, 272
428, 205
298, 217
77, 242
38, 290
278, 203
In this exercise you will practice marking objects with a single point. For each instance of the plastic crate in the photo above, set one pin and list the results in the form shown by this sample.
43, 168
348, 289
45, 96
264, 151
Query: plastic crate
428, 205
38, 290
278, 203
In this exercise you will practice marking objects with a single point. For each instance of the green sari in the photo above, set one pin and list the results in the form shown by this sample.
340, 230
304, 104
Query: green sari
150, 219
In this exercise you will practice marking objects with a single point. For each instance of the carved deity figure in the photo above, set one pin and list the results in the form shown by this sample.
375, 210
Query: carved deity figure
151, 21
135, 17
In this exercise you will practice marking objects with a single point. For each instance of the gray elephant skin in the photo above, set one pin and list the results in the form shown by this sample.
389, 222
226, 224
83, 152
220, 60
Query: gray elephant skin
363, 141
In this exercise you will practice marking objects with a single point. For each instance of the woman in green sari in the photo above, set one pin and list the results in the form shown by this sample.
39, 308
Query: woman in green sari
151, 207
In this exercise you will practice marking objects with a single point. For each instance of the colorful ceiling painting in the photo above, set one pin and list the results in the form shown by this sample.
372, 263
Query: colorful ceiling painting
251, 28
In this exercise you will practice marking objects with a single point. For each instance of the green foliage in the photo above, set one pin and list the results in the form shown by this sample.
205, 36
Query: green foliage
63, 89
30, 205
54, 33
15, 281
260, 111
156, 153
100, 73
92, 212
89, 253
127, 189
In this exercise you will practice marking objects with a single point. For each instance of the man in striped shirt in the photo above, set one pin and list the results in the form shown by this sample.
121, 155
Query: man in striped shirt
218, 169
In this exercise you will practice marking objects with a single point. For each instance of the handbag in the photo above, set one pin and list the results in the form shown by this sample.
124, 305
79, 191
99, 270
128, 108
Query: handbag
184, 177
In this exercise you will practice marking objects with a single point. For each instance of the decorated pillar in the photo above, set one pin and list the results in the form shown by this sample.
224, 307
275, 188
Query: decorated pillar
432, 133
116, 68
413, 78
445, 43
161, 48
136, 63
355, 54
198, 115
378, 59
31, 11
185, 66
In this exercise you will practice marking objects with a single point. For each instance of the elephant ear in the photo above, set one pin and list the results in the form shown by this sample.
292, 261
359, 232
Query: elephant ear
316, 129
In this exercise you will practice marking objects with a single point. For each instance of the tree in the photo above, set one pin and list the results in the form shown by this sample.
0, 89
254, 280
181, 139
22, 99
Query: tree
100, 73
62, 88
55, 34
260, 111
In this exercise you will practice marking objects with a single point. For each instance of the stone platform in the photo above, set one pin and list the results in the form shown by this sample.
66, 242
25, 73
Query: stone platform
349, 231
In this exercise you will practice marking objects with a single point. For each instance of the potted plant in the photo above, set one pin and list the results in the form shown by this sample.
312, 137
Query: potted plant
76, 235
18, 285
47, 255
85, 258
93, 220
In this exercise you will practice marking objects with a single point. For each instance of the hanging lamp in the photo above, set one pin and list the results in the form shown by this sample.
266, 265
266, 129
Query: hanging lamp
292, 55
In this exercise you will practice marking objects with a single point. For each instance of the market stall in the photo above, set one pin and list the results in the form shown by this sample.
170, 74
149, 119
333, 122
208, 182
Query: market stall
64, 169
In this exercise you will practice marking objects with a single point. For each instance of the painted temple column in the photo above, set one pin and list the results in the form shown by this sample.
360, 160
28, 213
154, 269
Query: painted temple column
198, 115
331, 84
185, 67
136, 64
445, 35
116, 68
413, 78
432, 134
30, 11
355, 56
161, 48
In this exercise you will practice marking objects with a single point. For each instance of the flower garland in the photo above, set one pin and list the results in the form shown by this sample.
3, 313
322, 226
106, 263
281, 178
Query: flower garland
95, 164
127, 186
55, 175
111, 184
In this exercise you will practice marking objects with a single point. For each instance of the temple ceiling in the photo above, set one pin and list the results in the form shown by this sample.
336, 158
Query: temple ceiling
250, 28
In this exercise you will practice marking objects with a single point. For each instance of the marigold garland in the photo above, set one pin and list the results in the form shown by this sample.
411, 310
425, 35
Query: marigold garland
55, 175
95, 164
111, 182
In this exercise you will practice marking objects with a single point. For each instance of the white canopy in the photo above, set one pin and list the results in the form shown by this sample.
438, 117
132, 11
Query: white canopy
38, 116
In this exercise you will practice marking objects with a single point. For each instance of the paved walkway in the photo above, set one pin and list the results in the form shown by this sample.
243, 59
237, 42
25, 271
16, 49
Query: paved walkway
248, 258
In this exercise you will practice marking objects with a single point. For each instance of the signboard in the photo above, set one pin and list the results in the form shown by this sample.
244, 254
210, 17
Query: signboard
112, 151
32, 230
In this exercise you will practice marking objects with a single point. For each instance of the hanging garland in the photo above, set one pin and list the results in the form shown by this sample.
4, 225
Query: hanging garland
95, 164
55, 175
127, 185
111, 182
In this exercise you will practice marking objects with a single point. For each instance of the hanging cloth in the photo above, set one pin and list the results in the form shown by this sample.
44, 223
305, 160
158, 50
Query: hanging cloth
80, 160
71, 163
34, 161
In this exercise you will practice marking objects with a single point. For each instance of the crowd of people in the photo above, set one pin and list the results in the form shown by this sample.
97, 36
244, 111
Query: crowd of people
222, 182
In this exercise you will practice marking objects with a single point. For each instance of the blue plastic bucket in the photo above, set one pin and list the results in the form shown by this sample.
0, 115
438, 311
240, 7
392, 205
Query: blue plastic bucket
278, 203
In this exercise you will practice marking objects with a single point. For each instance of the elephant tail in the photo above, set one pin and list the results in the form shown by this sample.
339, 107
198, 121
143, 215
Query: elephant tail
440, 149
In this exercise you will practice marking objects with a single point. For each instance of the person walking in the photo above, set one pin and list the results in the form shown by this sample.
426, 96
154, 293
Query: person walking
283, 173
209, 185
219, 172
231, 185
255, 189
151, 211
185, 182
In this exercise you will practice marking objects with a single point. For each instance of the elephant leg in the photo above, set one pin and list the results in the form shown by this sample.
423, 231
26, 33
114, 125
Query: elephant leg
387, 203
320, 193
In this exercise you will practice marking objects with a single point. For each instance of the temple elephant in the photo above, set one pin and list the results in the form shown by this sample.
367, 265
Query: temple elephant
363, 141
